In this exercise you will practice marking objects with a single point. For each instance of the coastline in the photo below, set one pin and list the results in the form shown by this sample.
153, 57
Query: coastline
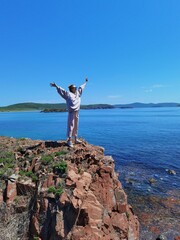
61, 107
157, 215
168, 150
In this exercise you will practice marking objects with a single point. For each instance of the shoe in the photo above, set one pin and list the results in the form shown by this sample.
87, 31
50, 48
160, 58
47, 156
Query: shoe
78, 141
69, 143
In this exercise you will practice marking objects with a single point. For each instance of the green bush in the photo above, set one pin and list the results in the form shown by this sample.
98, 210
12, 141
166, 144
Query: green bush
51, 189
56, 191
47, 159
2, 172
7, 161
29, 174
61, 166
35, 238
57, 154
59, 191
7, 157
19, 149
22, 139
22, 173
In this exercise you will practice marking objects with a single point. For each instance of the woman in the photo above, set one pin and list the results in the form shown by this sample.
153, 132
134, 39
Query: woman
73, 100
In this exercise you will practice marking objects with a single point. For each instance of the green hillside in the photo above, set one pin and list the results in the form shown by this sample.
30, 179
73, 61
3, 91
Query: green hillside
30, 106
48, 107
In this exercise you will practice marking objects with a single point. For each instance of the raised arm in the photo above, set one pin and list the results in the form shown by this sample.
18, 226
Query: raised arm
81, 88
60, 90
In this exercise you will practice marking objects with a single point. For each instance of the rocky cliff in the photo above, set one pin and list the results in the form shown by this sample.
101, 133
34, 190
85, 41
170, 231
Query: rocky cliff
50, 191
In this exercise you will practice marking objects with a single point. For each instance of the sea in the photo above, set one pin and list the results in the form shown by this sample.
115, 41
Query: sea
144, 143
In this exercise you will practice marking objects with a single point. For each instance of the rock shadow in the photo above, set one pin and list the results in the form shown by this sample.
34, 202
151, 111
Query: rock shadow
54, 144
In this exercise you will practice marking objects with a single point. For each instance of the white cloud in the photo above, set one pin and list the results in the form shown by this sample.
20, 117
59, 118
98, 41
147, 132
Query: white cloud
148, 90
154, 86
158, 86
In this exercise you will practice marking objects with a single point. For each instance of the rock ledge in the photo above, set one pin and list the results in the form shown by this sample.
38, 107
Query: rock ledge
50, 191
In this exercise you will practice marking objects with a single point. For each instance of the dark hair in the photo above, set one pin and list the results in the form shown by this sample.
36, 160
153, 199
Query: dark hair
71, 86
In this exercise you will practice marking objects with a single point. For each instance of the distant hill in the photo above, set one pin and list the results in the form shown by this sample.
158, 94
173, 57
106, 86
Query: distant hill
146, 105
61, 107
30, 106
97, 106
48, 107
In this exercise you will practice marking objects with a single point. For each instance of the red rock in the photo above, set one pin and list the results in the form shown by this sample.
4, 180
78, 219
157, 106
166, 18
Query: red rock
86, 178
121, 208
45, 184
64, 198
94, 210
93, 204
105, 230
50, 181
106, 169
103, 189
78, 193
75, 203
120, 222
117, 183
69, 182
177, 238
11, 192
133, 232
59, 228
82, 185
37, 166
44, 205
73, 176
1, 196
25, 187
30, 168
34, 226
121, 200
58, 182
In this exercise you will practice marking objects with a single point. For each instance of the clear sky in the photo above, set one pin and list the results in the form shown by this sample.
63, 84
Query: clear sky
129, 49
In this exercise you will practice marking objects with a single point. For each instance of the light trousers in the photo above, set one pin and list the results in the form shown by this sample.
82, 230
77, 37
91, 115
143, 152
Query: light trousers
72, 125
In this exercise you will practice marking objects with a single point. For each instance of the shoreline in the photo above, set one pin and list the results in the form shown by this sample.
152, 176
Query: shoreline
157, 215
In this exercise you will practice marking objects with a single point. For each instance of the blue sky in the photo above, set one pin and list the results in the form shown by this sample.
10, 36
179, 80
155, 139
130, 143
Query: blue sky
130, 50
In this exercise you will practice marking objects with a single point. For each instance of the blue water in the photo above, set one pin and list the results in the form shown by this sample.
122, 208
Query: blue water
144, 143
